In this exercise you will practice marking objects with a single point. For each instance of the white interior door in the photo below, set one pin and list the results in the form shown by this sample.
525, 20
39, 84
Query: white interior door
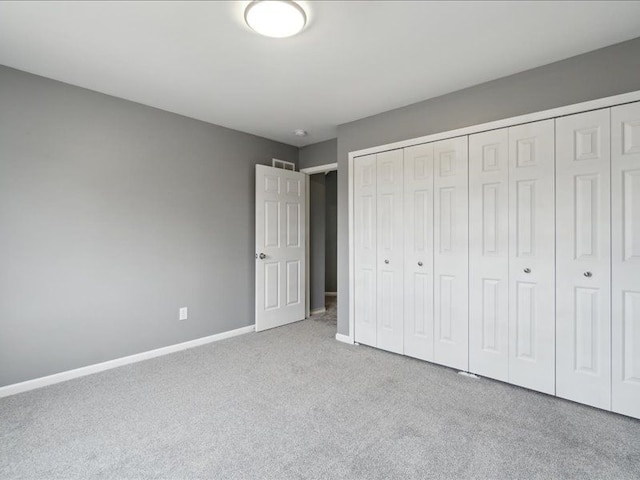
365, 257
625, 265
280, 247
390, 235
531, 256
451, 253
418, 252
489, 254
583, 321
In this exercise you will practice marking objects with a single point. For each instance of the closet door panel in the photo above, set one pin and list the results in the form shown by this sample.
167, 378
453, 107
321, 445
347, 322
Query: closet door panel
390, 245
418, 252
365, 239
625, 253
451, 243
489, 254
583, 321
531, 256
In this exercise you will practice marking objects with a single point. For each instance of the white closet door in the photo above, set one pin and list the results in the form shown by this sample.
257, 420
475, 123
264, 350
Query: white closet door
531, 256
625, 212
418, 252
390, 228
451, 253
365, 258
489, 254
583, 320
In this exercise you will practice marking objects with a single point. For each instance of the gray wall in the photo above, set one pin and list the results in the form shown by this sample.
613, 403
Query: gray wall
112, 216
601, 73
320, 153
317, 240
331, 232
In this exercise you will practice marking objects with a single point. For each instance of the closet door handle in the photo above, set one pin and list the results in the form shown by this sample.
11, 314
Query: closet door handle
527, 270
386, 261
588, 274
419, 264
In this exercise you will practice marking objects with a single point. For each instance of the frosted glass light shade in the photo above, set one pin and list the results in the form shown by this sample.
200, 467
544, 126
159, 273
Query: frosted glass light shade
275, 18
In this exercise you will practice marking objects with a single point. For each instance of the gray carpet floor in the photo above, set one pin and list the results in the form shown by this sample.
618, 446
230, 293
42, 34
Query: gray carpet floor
294, 403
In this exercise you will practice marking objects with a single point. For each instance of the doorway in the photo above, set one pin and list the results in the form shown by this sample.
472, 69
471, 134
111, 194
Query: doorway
322, 242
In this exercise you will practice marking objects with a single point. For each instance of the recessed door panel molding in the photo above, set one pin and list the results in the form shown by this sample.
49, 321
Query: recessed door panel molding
418, 252
293, 223
531, 256
365, 238
293, 282
294, 187
489, 254
280, 247
630, 223
490, 325
526, 321
271, 285
271, 224
451, 244
625, 259
583, 260
390, 247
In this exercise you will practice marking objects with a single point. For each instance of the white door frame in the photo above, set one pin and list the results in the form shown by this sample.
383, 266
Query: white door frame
326, 168
483, 127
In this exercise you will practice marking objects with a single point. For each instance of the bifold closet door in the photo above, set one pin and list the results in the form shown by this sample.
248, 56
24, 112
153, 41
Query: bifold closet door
418, 252
489, 254
390, 242
531, 256
625, 253
451, 253
583, 319
365, 256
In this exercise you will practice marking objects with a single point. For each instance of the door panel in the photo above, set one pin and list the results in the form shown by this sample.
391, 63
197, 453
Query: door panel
583, 322
451, 315
489, 254
625, 265
418, 252
531, 256
280, 247
390, 241
365, 238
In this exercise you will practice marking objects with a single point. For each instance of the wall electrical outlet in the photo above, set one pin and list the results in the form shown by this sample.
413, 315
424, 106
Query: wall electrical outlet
183, 313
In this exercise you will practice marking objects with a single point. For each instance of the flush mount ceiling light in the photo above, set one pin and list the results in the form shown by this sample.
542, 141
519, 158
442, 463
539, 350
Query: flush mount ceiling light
300, 132
275, 18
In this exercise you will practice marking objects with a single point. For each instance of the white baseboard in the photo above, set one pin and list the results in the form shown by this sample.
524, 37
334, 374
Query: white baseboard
344, 339
318, 310
330, 294
118, 362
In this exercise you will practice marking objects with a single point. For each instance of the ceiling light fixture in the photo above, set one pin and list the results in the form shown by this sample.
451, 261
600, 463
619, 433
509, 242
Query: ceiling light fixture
300, 133
275, 18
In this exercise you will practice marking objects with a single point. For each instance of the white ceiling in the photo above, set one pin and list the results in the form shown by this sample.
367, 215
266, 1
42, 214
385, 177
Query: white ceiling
354, 59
